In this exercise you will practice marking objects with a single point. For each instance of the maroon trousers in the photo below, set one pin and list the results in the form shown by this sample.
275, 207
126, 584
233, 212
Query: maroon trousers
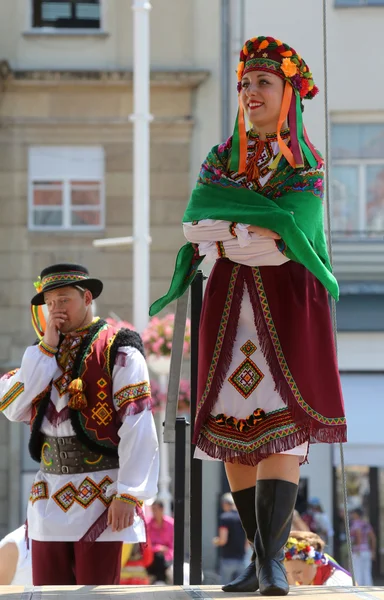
76, 563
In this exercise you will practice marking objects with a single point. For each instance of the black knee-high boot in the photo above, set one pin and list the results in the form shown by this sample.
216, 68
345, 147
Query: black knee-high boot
246, 507
275, 502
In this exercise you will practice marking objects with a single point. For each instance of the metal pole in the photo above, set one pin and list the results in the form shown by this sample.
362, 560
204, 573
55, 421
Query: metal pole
179, 505
329, 240
225, 62
164, 477
141, 119
175, 368
196, 473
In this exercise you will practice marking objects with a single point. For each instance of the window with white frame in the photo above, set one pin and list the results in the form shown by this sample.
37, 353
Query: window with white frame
66, 14
66, 188
359, 2
358, 179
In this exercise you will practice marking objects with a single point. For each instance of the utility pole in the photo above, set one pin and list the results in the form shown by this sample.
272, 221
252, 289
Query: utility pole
141, 119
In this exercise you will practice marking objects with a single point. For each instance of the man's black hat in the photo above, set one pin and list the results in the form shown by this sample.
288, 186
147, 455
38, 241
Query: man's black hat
57, 276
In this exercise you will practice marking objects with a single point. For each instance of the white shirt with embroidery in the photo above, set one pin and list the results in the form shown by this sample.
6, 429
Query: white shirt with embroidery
215, 239
60, 517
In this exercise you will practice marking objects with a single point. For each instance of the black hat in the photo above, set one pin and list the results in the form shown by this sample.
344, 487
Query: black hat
62, 275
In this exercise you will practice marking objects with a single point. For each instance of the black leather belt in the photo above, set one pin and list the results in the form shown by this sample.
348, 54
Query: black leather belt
67, 455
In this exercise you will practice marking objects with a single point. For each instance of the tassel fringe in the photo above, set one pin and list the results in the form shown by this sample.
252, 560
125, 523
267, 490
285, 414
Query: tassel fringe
255, 457
77, 400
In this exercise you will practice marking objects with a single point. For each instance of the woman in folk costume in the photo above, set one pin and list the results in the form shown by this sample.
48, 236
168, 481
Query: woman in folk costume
268, 382
306, 563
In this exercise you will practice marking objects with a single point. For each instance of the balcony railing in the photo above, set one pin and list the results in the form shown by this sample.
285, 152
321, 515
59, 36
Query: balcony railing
358, 236
358, 255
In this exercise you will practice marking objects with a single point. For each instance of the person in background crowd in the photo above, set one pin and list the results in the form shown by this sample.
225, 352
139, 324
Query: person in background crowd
306, 563
363, 547
160, 531
318, 521
298, 524
15, 559
231, 541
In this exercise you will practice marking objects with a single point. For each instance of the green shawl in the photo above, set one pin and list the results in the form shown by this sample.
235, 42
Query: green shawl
296, 215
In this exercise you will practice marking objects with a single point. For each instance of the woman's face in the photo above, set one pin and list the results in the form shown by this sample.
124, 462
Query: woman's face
261, 95
299, 572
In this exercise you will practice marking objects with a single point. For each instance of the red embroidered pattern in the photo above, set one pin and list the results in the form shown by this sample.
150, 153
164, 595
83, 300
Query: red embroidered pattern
220, 335
220, 249
11, 395
39, 491
274, 426
129, 499
132, 393
46, 349
247, 377
87, 492
232, 228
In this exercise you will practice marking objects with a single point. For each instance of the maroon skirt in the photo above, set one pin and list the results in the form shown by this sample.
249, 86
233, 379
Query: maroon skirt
293, 324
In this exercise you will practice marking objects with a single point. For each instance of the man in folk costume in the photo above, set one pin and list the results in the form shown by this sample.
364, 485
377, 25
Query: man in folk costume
84, 389
268, 380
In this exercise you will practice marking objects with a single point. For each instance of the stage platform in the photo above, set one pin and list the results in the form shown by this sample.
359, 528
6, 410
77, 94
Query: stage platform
178, 593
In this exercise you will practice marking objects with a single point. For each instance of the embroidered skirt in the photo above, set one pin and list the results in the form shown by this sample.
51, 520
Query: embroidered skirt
268, 377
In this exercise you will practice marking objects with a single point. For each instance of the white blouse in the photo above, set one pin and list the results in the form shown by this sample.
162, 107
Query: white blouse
215, 239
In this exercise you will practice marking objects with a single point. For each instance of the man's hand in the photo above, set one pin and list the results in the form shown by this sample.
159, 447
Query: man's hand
120, 514
55, 321
264, 232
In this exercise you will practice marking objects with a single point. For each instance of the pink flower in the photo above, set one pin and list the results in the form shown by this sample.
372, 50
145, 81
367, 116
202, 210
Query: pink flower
120, 324
156, 347
158, 335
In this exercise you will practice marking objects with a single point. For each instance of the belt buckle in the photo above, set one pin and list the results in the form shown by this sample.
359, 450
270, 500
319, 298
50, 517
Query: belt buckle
65, 470
61, 441
63, 455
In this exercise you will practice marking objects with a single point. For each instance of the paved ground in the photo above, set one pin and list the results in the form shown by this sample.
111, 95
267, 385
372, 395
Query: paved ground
178, 593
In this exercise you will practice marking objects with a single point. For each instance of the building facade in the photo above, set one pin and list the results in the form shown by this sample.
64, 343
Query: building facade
66, 162
66, 179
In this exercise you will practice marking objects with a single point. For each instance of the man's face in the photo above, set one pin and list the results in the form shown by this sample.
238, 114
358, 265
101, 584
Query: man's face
70, 301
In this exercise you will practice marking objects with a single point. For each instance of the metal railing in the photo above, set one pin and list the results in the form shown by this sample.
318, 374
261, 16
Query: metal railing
175, 432
358, 236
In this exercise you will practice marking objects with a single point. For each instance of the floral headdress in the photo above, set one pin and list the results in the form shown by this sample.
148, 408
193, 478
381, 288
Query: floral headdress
273, 56
301, 550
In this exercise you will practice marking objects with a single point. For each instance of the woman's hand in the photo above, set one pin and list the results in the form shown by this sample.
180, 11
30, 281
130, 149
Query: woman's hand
264, 232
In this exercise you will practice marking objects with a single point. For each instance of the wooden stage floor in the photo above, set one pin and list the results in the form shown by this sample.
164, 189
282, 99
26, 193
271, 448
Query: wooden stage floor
178, 593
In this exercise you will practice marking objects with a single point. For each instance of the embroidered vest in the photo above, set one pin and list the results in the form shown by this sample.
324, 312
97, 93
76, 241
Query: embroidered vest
97, 422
